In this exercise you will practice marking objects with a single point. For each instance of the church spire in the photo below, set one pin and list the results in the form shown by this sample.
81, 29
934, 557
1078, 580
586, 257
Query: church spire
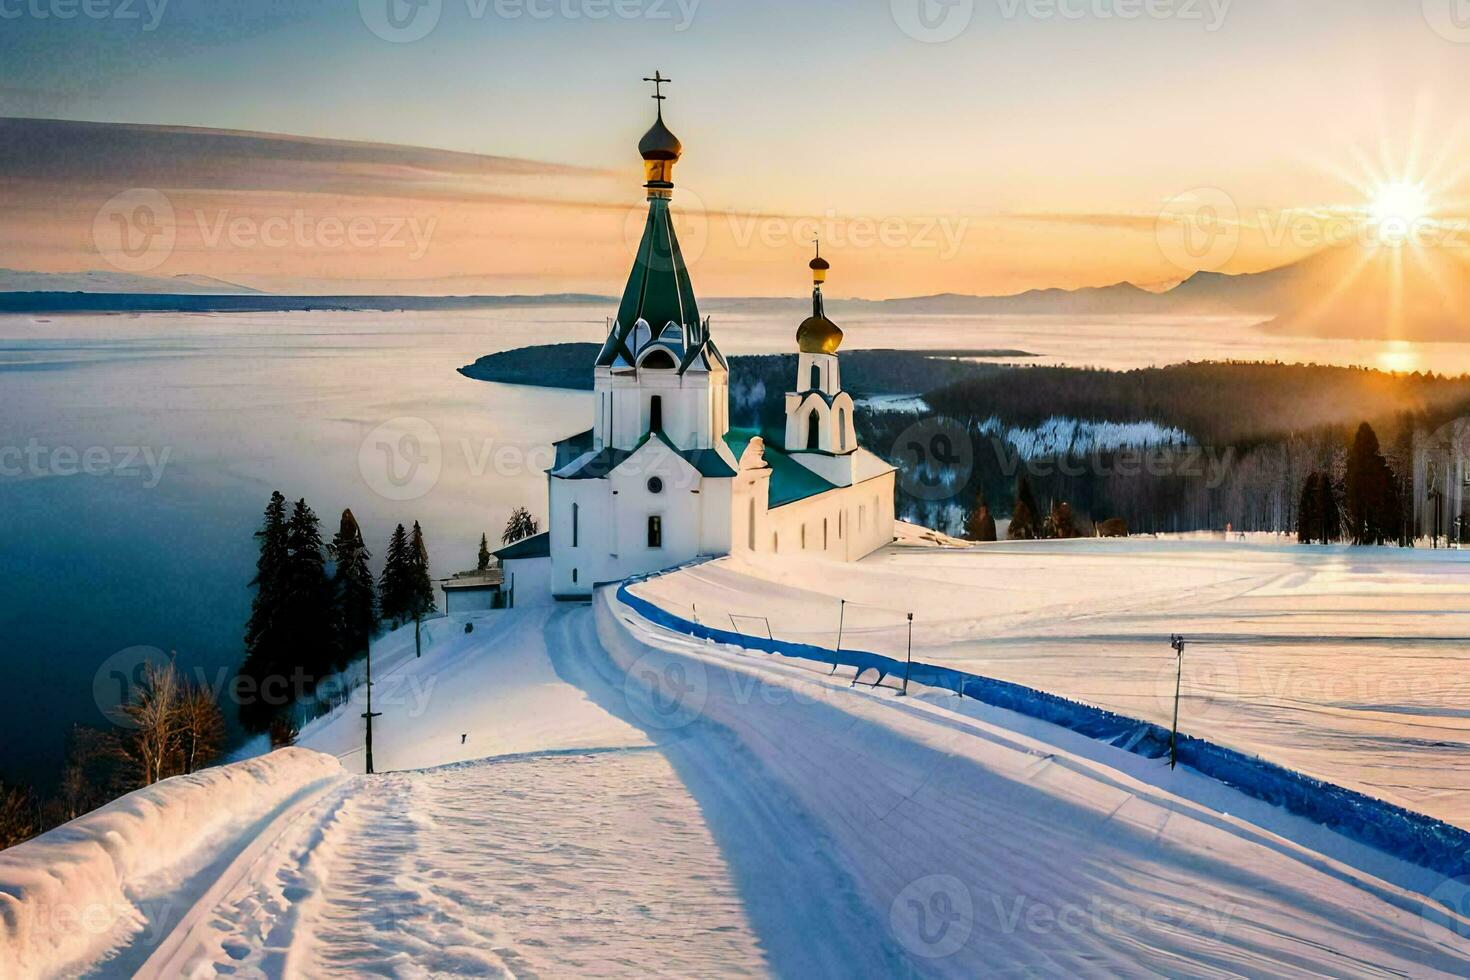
659, 291
817, 334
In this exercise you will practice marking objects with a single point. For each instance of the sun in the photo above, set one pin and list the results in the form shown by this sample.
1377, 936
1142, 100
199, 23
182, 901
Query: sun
1397, 210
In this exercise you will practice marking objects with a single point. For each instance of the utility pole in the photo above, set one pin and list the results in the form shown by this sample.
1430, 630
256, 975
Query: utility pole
908, 664
1177, 642
369, 714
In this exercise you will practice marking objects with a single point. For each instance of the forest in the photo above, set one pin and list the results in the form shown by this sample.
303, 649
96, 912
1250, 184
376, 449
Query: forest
1186, 447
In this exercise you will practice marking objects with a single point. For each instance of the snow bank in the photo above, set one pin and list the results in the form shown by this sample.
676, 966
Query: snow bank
1402, 833
66, 894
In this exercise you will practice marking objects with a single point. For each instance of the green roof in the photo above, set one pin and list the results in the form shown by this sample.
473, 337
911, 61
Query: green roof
790, 481
536, 546
658, 290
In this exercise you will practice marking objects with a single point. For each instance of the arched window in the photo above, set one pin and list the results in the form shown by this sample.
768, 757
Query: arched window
842, 429
655, 531
816, 377
656, 414
813, 431
824, 534
658, 359
803, 537
575, 513
750, 521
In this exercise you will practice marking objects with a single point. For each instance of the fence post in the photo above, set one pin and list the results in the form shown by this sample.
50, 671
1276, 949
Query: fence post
909, 663
841, 615
1177, 642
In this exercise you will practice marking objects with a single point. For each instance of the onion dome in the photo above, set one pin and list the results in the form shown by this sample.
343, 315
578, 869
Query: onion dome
660, 144
659, 148
817, 334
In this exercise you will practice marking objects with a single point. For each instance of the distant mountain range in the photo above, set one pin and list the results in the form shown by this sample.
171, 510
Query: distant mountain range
1406, 293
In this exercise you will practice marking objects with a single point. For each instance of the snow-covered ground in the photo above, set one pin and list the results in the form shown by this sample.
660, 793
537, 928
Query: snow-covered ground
575, 791
1348, 664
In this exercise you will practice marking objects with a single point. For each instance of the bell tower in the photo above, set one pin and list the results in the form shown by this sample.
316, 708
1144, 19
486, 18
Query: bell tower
818, 412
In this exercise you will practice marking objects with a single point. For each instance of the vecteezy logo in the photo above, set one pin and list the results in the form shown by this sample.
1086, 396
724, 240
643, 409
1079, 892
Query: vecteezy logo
932, 21
400, 21
135, 230
1199, 229
691, 228
665, 693
401, 459
936, 457
118, 681
1450, 19
932, 917
1208, 681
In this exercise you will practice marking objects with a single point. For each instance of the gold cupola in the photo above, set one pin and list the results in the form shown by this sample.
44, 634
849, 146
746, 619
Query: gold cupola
817, 334
659, 147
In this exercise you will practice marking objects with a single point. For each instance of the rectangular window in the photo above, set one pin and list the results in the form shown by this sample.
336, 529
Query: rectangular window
655, 531
803, 537
824, 534
575, 510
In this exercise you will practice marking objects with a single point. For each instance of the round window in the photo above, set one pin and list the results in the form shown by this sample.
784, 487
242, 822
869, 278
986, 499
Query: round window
655, 485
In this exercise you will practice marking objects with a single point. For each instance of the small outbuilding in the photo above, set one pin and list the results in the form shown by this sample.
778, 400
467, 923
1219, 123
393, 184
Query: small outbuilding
473, 591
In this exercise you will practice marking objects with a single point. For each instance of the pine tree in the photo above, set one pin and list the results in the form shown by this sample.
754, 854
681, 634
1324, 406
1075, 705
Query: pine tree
1368, 492
980, 526
1023, 516
483, 562
355, 616
520, 525
1308, 511
1328, 511
265, 633
421, 586
307, 608
393, 587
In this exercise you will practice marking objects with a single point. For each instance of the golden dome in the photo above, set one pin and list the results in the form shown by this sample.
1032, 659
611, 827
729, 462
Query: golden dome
818, 335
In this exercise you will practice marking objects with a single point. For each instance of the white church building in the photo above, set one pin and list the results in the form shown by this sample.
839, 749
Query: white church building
661, 478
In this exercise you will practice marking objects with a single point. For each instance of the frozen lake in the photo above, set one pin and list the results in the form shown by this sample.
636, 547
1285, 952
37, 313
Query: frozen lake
141, 449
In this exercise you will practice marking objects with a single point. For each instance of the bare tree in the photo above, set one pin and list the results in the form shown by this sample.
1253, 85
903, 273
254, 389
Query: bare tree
98, 769
201, 727
18, 817
155, 717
